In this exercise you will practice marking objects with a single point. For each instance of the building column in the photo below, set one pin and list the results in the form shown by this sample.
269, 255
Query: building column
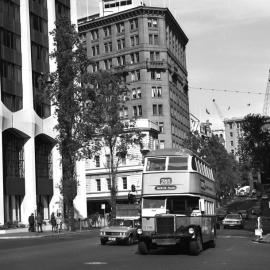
29, 204
26, 56
1, 178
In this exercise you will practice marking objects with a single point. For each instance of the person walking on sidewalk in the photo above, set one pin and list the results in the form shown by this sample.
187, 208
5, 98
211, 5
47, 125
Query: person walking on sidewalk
59, 222
39, 222
31, 221
53, 222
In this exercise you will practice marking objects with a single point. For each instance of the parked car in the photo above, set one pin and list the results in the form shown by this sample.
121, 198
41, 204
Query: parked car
234, 220
120, 230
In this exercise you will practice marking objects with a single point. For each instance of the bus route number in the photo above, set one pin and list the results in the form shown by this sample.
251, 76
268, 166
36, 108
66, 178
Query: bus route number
165, 181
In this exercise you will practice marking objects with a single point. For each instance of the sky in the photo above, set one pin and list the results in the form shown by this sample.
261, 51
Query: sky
228, 54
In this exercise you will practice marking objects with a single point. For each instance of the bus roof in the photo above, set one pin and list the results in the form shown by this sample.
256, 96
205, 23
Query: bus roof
170, 152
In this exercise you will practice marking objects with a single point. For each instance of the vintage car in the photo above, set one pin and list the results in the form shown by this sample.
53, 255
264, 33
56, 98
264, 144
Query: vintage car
120, 230
233, 220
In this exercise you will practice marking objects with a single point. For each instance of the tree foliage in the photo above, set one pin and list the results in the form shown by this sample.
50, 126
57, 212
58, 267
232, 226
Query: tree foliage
109, 97
67, 93
225, 167
254, 144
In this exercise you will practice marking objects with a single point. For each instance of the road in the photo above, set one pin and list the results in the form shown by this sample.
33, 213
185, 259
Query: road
234, 250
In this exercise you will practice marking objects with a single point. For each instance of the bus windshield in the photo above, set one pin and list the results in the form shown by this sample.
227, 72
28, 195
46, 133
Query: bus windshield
156, 164
178, 163
154, 202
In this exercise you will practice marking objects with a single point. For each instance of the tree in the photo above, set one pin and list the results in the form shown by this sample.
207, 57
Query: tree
67, 93
225, 167
254, 144
110, 95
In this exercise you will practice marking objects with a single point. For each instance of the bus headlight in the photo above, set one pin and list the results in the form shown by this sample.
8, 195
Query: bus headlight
139, 231
191, 230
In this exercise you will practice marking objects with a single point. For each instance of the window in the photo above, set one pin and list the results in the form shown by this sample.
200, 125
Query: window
178, 163
230, 124
152, 22
108, 47
156, 164
95, 50
161, 126
135, 75
121, 60
134, 40
95, 67
155, 75
109, 184
108, 161
120, 28
137, 110
120, 44
98, 184
154, 56
94, 35
153, 39
124, 179
134, 58
231, 134
108, 63
38, 23
133, 24
107, 31
123, 113
157, 109
97, 161
136, 93
156, 92
231, 143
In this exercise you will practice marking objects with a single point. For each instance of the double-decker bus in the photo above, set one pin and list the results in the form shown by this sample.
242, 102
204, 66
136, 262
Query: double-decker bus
178, 201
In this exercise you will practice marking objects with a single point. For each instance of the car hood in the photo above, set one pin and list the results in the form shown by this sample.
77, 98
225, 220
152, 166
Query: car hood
116, 229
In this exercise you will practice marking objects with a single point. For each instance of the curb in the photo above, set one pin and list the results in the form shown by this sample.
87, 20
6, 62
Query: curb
44, 235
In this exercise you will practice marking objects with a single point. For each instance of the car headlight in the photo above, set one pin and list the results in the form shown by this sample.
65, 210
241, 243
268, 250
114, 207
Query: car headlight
102, 233
191, 230
139, 231
122, 234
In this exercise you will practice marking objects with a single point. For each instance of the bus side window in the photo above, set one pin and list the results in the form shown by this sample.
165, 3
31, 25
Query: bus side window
193, 164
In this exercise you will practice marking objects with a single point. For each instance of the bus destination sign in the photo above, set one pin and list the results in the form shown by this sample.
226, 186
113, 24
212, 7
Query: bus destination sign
166, 181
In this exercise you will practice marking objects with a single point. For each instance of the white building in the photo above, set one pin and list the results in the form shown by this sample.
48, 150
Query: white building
98, 180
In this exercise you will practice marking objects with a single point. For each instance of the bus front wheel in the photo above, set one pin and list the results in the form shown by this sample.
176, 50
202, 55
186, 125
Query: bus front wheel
143, 248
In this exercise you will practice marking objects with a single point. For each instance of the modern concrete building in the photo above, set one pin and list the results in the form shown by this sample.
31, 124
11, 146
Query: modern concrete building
30, 168
148, 46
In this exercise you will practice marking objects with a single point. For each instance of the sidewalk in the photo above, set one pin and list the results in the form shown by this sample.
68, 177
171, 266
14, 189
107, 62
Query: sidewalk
24, 234
264, 239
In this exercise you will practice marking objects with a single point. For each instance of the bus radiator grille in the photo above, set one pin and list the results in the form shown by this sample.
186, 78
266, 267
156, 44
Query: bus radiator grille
165, 225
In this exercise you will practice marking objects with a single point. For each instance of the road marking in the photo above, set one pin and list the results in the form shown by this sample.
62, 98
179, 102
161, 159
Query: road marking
95, 263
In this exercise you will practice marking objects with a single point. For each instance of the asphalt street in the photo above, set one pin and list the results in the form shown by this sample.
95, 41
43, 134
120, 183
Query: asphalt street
235, 250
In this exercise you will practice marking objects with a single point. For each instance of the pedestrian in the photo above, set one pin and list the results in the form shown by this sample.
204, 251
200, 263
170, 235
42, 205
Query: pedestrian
59, 222
53, 222
39, 222
31, 221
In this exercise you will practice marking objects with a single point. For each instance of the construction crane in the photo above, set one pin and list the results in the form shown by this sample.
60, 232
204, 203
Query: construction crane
267, 98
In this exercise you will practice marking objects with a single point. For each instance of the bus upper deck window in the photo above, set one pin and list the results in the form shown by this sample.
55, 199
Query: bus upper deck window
156, 164
178, 163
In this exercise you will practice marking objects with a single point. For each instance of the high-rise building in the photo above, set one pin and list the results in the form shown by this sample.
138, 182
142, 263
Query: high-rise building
30, 167
147, 45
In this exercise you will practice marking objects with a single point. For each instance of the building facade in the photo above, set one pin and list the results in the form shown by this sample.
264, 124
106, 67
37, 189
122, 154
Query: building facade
148, 46
30, 164
129, 171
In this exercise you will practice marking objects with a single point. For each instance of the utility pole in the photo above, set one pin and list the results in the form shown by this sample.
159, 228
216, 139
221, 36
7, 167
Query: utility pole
267, 98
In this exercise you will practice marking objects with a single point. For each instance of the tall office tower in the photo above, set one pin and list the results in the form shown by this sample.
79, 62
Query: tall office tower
29, 168
148, 46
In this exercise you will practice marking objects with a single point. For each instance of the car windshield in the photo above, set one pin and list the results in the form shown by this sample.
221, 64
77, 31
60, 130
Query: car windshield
234, 216
121, 222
